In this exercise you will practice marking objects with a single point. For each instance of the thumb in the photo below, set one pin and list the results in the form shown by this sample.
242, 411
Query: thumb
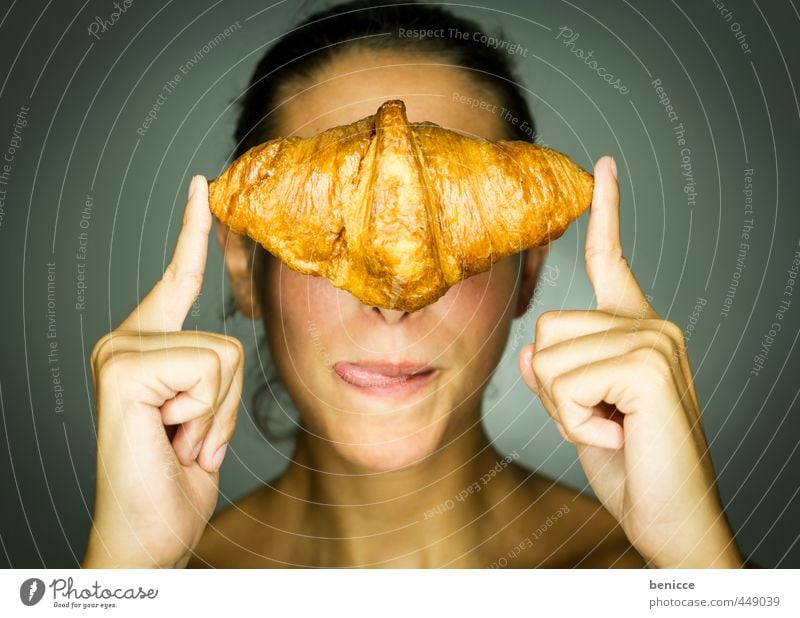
524, 361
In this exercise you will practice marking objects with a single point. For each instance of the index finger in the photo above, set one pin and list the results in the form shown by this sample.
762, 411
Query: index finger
614, 285
165, 307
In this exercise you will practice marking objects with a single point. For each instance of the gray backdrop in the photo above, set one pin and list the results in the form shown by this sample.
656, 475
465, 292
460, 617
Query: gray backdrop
92, 207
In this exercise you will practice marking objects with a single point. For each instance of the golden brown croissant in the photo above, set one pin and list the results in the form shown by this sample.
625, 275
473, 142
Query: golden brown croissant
397, 212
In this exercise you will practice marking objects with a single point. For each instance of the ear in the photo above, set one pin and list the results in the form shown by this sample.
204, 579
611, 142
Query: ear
532, 260
238, 255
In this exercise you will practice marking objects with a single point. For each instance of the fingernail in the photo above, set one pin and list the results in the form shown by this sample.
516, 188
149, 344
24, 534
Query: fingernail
614, 167
192, 186
527, 355
219, 456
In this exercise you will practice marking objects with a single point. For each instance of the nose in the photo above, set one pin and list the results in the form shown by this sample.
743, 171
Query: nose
392, 316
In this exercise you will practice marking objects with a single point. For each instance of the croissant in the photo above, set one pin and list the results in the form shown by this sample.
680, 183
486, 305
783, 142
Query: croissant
397, 212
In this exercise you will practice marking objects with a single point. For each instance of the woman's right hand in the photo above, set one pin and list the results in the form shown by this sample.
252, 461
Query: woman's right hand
167, 402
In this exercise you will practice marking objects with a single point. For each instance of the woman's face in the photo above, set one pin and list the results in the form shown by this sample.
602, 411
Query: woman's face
319, 335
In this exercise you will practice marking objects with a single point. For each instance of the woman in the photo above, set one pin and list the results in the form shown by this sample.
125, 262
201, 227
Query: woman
400, 474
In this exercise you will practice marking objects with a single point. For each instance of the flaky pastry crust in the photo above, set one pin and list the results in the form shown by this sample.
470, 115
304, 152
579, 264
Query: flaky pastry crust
397, 212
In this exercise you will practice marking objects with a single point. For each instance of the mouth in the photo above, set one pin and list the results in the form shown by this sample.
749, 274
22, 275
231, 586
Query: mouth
385, 378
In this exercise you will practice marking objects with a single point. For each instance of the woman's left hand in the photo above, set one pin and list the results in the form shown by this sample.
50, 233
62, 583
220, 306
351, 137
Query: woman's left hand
617, 381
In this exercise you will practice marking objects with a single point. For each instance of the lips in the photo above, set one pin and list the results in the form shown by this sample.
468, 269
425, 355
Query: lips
382, 374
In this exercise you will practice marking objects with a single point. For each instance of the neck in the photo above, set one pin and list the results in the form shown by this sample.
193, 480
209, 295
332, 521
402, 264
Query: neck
416, 516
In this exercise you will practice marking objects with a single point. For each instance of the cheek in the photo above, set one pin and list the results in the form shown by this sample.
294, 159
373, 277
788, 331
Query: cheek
483, 297
301, 311
309, 320
479, 311
298, 298
481, 301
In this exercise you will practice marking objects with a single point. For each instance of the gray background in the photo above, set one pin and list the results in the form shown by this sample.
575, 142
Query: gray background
87, 97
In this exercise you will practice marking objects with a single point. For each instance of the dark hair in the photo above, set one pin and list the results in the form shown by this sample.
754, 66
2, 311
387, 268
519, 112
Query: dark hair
372, 25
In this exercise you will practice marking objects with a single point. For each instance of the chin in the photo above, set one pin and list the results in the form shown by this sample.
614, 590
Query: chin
385, 441
403, 453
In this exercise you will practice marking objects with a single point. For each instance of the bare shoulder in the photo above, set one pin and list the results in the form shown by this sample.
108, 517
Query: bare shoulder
239, 536
540, 523
571, 528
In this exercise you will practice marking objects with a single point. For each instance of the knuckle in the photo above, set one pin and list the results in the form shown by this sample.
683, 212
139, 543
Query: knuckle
539, 365
212, 369
97, 350
653, 363
668, 339
236, 348
676, 336
663, 343
670, 329
207, 363
107, 347
543, 326
559, 387
212, 363
115, 367
643, 356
